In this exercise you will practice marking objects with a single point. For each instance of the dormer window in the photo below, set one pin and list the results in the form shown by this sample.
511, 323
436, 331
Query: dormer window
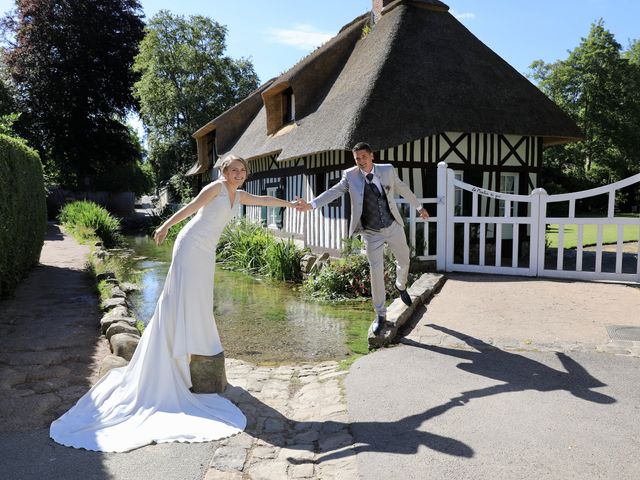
288, 106
280, 106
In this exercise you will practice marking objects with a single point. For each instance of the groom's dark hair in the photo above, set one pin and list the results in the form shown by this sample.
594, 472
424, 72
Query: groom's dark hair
362, 146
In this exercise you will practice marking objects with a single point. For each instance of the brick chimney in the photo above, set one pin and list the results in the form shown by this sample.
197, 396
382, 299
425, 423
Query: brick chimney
378, 5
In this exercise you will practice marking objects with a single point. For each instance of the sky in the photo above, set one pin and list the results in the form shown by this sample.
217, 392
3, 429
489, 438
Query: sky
275, 34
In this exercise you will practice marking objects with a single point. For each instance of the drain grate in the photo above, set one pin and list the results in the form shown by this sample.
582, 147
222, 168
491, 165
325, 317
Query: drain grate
624, 332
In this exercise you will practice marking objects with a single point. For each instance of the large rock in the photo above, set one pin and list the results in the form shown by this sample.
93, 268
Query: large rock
111, 303
121, 327
398, 314
307, 262
109, 363
321, 262
106, 322
119, 311
105, 276
384, 337
124, 344
129, 287
116, 292
118, 314
208, 374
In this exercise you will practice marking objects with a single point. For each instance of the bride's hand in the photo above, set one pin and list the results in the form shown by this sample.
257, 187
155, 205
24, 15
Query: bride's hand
160, 234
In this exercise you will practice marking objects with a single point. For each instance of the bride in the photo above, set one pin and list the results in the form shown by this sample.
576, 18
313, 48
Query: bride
149, 400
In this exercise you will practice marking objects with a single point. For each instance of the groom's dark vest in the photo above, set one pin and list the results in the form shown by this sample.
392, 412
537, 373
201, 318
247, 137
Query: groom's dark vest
375, 209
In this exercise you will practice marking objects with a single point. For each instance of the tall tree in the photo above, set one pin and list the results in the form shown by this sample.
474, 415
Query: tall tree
185, 81
599, 87
7, 91
71, 63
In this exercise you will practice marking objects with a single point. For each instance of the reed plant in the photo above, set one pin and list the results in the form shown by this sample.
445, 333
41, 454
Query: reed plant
282, 260
87, 220
249, 247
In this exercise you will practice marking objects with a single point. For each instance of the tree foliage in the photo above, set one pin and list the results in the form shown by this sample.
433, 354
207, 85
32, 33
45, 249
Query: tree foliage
598, 85
71, 64
185, 81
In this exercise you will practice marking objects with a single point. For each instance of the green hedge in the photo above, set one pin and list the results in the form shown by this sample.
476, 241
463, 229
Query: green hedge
23, 211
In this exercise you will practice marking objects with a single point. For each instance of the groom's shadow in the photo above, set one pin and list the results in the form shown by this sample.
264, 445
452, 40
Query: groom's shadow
329, 438
519, 373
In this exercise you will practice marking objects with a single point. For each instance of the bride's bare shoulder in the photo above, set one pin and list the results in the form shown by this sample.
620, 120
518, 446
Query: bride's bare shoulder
213, 187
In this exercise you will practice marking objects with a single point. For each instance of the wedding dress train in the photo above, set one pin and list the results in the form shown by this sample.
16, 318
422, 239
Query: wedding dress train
149, 400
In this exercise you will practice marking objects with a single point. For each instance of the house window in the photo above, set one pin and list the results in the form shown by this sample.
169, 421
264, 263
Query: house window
272, 212
457, 208
288, 106
508, 184
279, 103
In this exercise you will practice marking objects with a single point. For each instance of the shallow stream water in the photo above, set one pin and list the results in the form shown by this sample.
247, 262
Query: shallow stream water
258, 320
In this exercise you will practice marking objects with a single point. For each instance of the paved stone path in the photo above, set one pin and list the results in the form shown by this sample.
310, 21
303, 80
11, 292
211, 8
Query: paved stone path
48, 344
485, 312
298, 425
50, 352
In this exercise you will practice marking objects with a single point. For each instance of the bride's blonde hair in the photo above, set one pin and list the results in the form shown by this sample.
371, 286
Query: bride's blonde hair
226, 161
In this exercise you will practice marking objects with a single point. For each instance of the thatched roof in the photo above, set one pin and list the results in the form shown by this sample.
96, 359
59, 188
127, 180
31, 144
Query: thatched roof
418, 72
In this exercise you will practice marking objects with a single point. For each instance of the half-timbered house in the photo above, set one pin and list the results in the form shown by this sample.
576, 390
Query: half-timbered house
412, 81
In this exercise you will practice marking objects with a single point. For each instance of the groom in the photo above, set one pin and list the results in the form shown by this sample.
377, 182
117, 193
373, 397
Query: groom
374, 214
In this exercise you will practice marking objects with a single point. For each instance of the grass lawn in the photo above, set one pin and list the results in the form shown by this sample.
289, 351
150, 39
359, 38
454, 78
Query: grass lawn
590, 234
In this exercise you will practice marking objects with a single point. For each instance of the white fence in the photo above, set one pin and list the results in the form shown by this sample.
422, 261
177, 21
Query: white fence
512, 241
591, 265
421, 231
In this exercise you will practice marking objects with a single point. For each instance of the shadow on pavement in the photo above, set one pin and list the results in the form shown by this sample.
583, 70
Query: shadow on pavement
401, 437
518, 372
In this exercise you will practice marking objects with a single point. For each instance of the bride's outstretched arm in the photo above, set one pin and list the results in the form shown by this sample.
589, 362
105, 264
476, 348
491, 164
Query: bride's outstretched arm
207, 194
247, 198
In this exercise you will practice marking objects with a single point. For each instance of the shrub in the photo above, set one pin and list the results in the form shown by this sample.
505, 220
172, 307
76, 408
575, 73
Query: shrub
87, 220
23, 211
348, 278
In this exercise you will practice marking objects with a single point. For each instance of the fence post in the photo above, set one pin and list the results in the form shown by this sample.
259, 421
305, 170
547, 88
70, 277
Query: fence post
412, 228
441, 218
538, 231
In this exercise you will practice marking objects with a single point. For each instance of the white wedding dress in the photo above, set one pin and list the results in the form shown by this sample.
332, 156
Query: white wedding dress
149, 400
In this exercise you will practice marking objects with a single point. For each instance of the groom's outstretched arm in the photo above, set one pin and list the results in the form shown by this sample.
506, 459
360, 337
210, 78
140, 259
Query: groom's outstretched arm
407, 194
334, 192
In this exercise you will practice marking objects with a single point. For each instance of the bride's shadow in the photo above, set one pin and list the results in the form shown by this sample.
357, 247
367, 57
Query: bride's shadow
333, 440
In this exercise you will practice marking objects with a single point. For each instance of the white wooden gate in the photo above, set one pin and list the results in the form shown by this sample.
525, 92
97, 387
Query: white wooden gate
477, 242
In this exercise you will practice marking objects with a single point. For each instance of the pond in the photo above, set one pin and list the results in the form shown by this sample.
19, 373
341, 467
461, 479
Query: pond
259, 320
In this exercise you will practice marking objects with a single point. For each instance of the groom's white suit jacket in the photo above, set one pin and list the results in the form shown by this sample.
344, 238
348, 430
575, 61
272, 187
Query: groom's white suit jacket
353, 181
